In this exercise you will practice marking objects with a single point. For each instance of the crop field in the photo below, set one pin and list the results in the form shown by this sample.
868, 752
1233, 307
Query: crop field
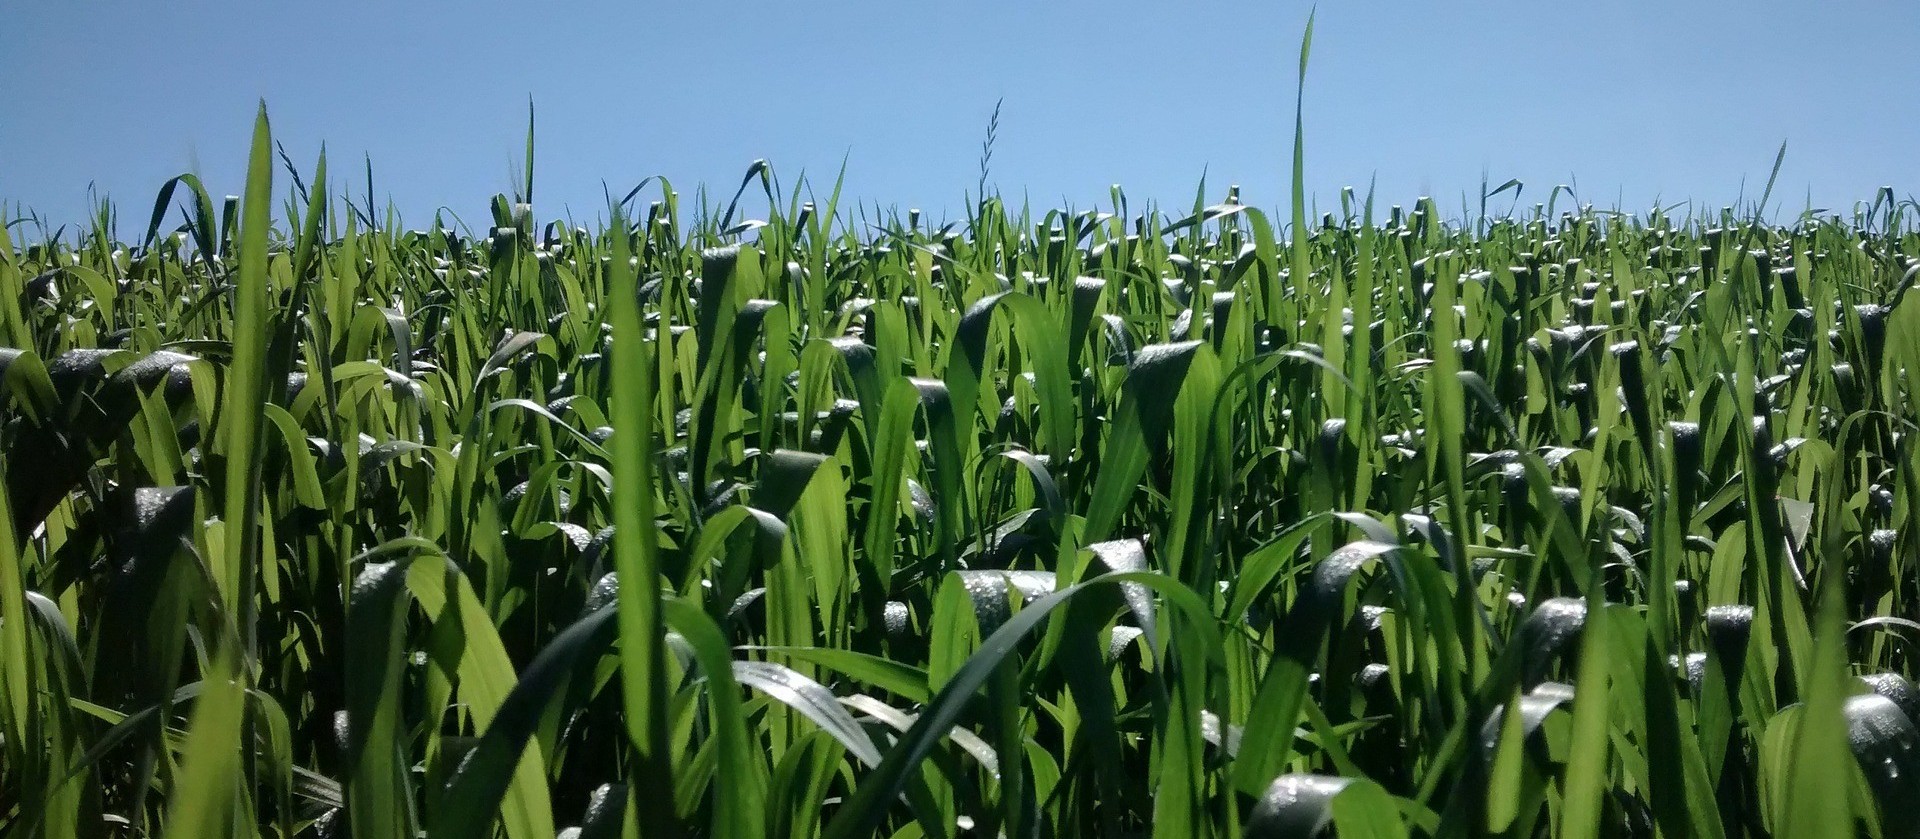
775, 517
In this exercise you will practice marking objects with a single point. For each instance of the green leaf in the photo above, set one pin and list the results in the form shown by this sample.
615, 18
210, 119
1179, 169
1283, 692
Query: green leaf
642, 631
1299, 806
471, 800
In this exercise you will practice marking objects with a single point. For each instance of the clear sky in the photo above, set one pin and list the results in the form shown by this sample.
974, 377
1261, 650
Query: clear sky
1632, 101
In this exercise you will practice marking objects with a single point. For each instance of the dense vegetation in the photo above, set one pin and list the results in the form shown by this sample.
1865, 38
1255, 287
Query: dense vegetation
1086, 523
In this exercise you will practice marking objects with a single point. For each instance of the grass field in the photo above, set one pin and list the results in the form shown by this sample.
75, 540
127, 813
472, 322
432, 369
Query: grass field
772, 518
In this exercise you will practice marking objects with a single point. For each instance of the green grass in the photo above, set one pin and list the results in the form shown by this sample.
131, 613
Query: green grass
790, 521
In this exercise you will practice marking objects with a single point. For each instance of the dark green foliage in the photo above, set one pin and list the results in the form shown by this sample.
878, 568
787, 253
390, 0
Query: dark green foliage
786, 521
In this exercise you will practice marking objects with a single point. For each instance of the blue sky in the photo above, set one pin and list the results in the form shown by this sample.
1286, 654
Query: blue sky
1629, 100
